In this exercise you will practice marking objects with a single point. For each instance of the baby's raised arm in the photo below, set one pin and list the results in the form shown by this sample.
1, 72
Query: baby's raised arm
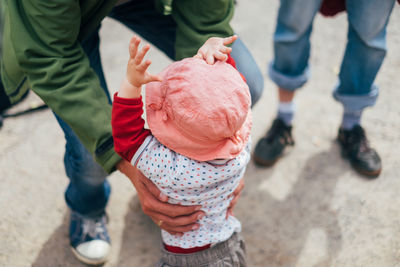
136, 73
215, 48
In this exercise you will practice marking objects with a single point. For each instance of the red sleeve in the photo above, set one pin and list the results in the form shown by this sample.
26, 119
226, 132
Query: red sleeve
128, 126
231, 61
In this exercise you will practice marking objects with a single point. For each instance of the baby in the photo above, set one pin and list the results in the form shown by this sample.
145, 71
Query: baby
197, 148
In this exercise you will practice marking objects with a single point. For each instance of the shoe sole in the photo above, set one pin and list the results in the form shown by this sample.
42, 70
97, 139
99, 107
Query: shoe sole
264, 163
86, 260
269, 163
368, 174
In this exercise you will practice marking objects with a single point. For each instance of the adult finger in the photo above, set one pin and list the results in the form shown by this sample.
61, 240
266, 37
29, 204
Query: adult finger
236, 195
153, 201
234, 200
238, 189
175, 228
149, 197
232, 205
229, 40
151, 188
174, 224
180, 229
180, 220
152, 206
144, 187
175, 233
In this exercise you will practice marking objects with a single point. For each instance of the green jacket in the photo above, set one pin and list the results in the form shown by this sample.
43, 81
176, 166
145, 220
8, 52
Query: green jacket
43, 53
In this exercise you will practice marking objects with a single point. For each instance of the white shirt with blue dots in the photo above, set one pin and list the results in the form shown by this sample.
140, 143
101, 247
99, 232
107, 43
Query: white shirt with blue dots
190, 182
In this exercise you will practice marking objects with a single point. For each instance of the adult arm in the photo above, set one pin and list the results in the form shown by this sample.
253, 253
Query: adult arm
44, 35
197, 21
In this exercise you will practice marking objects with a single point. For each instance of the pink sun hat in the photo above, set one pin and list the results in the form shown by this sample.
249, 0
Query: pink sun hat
199, 110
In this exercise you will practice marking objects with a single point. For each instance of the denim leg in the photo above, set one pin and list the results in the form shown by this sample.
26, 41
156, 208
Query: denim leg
290, 69
365, 51
88, 190
247, 66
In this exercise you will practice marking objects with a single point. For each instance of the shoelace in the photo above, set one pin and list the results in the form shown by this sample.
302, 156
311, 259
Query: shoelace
360, 144
93, 227
359, 138
278, 129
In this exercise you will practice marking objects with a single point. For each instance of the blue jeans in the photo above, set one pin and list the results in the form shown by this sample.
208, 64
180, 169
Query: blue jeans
88, 190
365, 50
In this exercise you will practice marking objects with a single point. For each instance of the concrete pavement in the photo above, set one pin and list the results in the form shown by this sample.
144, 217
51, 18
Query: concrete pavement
310, 209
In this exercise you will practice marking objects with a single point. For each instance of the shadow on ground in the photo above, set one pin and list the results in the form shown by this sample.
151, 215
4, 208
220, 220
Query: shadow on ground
281, 237
56, 251
278, 240
139, 245
141, 239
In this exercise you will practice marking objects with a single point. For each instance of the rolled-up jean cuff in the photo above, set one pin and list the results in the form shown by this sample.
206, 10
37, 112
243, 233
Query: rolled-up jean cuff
290, 83
357, 102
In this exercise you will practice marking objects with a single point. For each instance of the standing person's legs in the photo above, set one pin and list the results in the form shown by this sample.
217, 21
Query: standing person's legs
365, 51
160, 30
88, 190
87, 177
289, 71
247, 66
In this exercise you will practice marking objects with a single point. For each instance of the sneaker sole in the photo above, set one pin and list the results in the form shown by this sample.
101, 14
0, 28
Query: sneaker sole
86, 260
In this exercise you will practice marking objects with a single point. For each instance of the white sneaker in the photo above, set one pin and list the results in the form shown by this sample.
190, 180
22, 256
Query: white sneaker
89, 238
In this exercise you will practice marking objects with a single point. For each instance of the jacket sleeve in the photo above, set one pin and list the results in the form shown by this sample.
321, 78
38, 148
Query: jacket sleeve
199, 20
44, 35
128, 126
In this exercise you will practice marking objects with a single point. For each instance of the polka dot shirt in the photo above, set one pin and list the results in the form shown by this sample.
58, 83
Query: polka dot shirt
190, 182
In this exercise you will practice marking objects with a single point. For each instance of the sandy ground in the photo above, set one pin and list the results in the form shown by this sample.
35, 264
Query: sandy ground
310, 209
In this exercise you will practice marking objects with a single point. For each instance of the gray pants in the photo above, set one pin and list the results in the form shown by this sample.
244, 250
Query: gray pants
231, 253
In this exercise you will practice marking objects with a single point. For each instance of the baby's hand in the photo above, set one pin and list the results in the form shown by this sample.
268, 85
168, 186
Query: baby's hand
215, 48
136, 73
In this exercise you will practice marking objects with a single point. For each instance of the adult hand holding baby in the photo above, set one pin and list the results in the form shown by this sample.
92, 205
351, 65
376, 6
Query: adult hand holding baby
176, 219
